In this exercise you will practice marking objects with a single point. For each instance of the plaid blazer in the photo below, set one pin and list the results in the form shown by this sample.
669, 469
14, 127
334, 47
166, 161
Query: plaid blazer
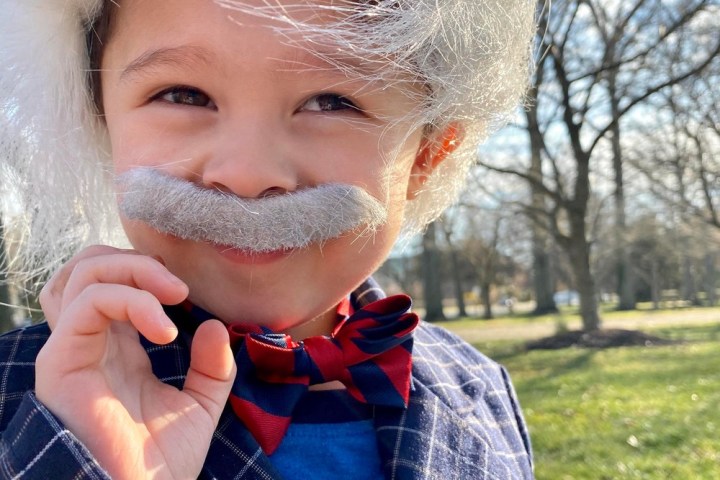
463, 420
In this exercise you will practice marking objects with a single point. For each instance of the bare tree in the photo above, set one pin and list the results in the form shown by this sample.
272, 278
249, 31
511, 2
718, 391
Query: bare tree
682, 162
543, 281
483, 255
489, 249
597, 65
455, 264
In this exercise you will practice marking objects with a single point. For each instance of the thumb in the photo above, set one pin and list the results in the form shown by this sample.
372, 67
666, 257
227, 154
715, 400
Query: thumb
212, 368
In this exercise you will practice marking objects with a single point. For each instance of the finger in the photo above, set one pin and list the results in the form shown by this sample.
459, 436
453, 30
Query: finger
84, 323
52, 292
212, 368
138, 271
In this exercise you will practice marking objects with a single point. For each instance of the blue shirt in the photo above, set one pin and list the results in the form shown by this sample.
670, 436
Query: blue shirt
331, 436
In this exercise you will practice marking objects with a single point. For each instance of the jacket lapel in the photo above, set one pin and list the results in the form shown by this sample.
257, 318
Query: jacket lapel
425, 441
462, 421
234, 453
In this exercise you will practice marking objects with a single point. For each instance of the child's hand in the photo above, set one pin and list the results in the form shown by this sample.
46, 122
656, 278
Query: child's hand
96, 377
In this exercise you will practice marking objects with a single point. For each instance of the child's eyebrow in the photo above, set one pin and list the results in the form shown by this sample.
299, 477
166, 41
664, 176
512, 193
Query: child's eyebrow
302, 60
189, 56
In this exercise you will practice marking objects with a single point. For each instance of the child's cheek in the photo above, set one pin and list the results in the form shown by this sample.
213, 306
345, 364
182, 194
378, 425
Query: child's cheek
138, 142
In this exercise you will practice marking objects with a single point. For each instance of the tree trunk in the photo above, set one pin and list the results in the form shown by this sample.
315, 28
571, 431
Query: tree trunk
6, 311
455, 274
585, 284
432, 280
655, 284
689, 288
457, 283
579, 250
710, 275
625, 280
487, 303
543, 283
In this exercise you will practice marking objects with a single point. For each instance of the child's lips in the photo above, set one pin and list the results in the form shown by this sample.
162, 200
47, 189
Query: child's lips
251, 257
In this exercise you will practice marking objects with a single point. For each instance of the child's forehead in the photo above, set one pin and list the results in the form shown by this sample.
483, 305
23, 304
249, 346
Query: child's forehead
184, 32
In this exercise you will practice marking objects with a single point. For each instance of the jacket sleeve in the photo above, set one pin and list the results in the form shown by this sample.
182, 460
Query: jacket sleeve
35, 445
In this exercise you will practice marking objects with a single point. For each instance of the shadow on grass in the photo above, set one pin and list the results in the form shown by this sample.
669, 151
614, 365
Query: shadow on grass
603, 338
686, 355
582, 360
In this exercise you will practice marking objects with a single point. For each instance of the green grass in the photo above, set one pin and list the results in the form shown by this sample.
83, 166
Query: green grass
640, 412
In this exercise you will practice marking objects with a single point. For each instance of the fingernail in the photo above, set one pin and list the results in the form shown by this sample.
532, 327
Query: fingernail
168, 325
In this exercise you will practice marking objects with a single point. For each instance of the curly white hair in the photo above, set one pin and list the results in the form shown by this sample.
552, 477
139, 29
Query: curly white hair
473, 57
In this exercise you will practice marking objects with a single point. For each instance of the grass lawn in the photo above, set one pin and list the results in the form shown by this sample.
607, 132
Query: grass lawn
633, 412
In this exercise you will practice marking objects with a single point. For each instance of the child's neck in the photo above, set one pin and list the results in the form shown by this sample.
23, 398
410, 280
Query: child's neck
321, 325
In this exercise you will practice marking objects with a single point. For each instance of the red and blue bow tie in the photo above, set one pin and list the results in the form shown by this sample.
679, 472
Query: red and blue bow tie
369, 352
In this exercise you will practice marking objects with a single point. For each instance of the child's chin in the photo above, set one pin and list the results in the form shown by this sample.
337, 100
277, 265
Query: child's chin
252, 257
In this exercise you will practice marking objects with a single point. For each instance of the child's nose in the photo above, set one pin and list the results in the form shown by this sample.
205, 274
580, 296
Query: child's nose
250, 164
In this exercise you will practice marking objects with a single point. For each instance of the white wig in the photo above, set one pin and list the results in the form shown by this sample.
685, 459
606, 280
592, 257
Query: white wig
472, 56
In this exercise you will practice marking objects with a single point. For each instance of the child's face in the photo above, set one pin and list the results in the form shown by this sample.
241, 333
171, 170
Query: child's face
228, 105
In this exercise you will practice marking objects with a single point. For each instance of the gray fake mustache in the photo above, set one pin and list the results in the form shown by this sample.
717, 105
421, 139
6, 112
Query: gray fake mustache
288, 221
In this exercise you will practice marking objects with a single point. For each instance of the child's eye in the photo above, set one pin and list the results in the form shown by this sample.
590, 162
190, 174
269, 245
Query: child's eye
185, 96
329, 102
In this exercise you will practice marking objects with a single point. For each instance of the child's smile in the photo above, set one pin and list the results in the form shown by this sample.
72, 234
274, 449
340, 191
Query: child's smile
223, 102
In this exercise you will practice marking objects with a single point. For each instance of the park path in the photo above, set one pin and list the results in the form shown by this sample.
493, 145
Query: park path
524, 330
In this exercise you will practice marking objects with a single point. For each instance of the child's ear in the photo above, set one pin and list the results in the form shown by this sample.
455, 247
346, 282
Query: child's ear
434, 149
